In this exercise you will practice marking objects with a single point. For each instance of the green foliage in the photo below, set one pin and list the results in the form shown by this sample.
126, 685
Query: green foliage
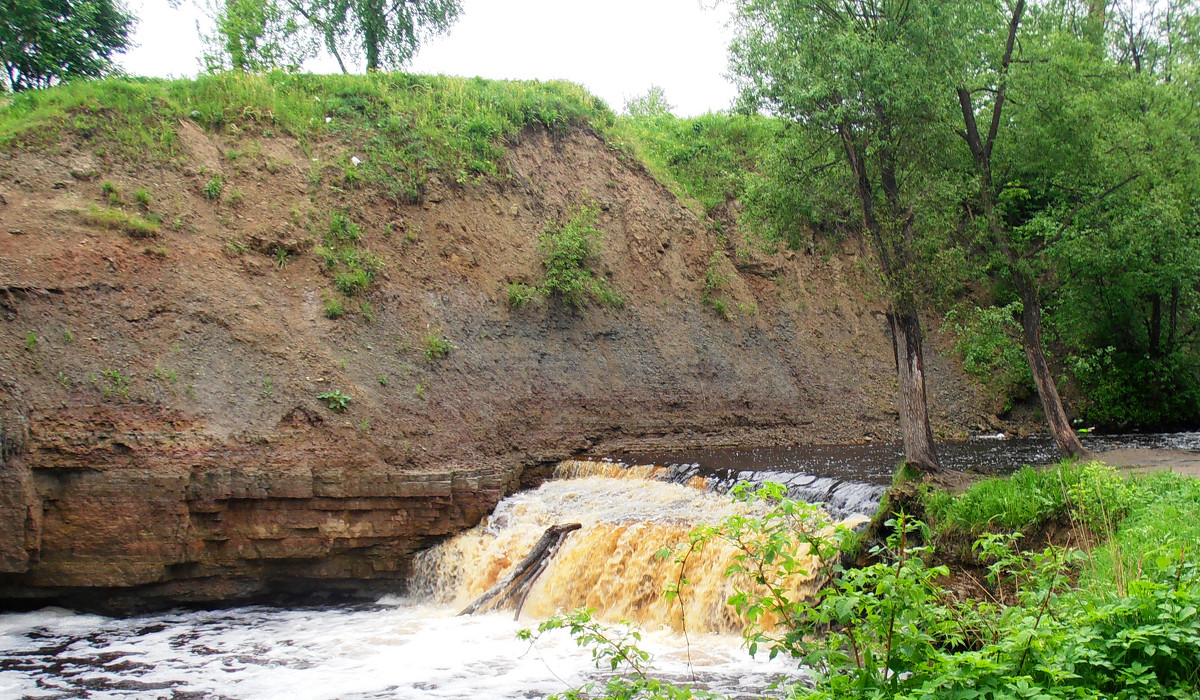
436, 345
704, 158
31, 341
336, 400
617, 649
405, 127
255, 36
142, 196
334, 307
714, 281
44, 42
352, 267
652, 104
988, 341
519, 294
213, 188
133, 225
1025, 499
887, 630
570, 254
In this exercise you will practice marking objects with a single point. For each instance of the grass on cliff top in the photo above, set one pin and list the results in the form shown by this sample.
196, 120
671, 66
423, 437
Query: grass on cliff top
403, 127
703, 158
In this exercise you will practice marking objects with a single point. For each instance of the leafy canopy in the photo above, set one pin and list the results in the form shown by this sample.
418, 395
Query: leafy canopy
44, 42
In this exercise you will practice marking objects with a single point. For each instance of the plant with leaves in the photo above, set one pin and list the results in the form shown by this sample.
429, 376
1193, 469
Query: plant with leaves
44, 42
570, 254
617, 649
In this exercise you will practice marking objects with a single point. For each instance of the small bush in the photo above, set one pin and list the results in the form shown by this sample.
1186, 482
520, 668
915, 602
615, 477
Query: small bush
213, 188
569, 256
520, 294
436, 345
334, 308
336, 400
352, 282
142, 196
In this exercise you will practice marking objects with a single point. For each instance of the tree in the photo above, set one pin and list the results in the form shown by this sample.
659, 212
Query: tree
255, 36
866, 79
44, 42
652, 104
384, 32
992, 80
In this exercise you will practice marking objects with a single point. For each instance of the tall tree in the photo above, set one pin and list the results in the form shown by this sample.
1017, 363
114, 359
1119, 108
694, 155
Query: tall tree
384, 33
866, 77
992, 82
44, 42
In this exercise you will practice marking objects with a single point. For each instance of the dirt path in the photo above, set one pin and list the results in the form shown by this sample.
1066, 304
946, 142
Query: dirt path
1143, 461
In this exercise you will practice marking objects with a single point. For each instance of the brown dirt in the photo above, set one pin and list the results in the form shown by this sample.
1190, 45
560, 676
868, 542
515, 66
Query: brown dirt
217, 473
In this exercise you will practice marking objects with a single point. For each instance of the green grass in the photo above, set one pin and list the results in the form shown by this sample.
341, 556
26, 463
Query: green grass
1093, 494
117, 219
404, 127
702, 158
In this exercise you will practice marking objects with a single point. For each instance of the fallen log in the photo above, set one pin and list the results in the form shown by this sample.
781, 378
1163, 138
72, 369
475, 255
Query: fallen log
521, 578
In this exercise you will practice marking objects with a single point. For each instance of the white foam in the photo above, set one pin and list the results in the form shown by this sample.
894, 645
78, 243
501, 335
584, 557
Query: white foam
396, 650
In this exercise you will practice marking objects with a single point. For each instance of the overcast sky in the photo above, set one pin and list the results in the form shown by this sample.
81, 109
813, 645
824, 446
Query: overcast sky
617, 49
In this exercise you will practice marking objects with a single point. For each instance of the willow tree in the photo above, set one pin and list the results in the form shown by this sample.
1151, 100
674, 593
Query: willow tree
867, 79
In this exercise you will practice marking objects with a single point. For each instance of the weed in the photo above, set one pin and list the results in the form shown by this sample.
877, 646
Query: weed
31, 341
352, 282
383, 380
520, 294
190, 391
68, 336
420, 390
343, 363
214, 187
235, 197
166, 375
364, 426
282, 258
142, 196
335, 400
714, 281
267, 389
108, 189
334, 308
62, 379
436, 345
235, 247
116, 384
367, 312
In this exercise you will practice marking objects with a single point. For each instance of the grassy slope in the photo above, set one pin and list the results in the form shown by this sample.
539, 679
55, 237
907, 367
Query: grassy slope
402, 127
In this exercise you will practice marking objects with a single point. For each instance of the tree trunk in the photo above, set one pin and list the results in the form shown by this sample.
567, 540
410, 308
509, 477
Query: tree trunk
518, 582
1031, 337
910, 377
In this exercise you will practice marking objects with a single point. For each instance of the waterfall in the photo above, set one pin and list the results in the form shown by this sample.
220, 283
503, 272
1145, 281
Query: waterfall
613, 562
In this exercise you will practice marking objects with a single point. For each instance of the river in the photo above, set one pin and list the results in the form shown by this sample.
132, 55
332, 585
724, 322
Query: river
415, 646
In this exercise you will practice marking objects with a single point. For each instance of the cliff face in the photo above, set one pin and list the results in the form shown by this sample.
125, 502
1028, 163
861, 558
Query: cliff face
163, 437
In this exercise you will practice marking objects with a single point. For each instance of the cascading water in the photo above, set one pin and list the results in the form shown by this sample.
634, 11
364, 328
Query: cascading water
611, 564
415, 647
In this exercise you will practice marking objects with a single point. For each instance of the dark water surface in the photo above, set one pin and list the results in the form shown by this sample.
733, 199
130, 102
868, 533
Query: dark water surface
875, 463
850, 479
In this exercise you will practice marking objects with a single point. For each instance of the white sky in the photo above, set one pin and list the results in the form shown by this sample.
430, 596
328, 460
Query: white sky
617, 49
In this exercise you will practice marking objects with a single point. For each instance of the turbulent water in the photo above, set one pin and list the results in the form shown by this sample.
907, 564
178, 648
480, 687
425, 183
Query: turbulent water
415, 647
397, 649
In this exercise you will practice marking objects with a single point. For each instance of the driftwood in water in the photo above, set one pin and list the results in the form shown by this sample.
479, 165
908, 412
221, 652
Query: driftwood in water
521, 578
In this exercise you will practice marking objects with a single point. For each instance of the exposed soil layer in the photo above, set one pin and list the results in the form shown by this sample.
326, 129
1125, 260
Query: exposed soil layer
163, 439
